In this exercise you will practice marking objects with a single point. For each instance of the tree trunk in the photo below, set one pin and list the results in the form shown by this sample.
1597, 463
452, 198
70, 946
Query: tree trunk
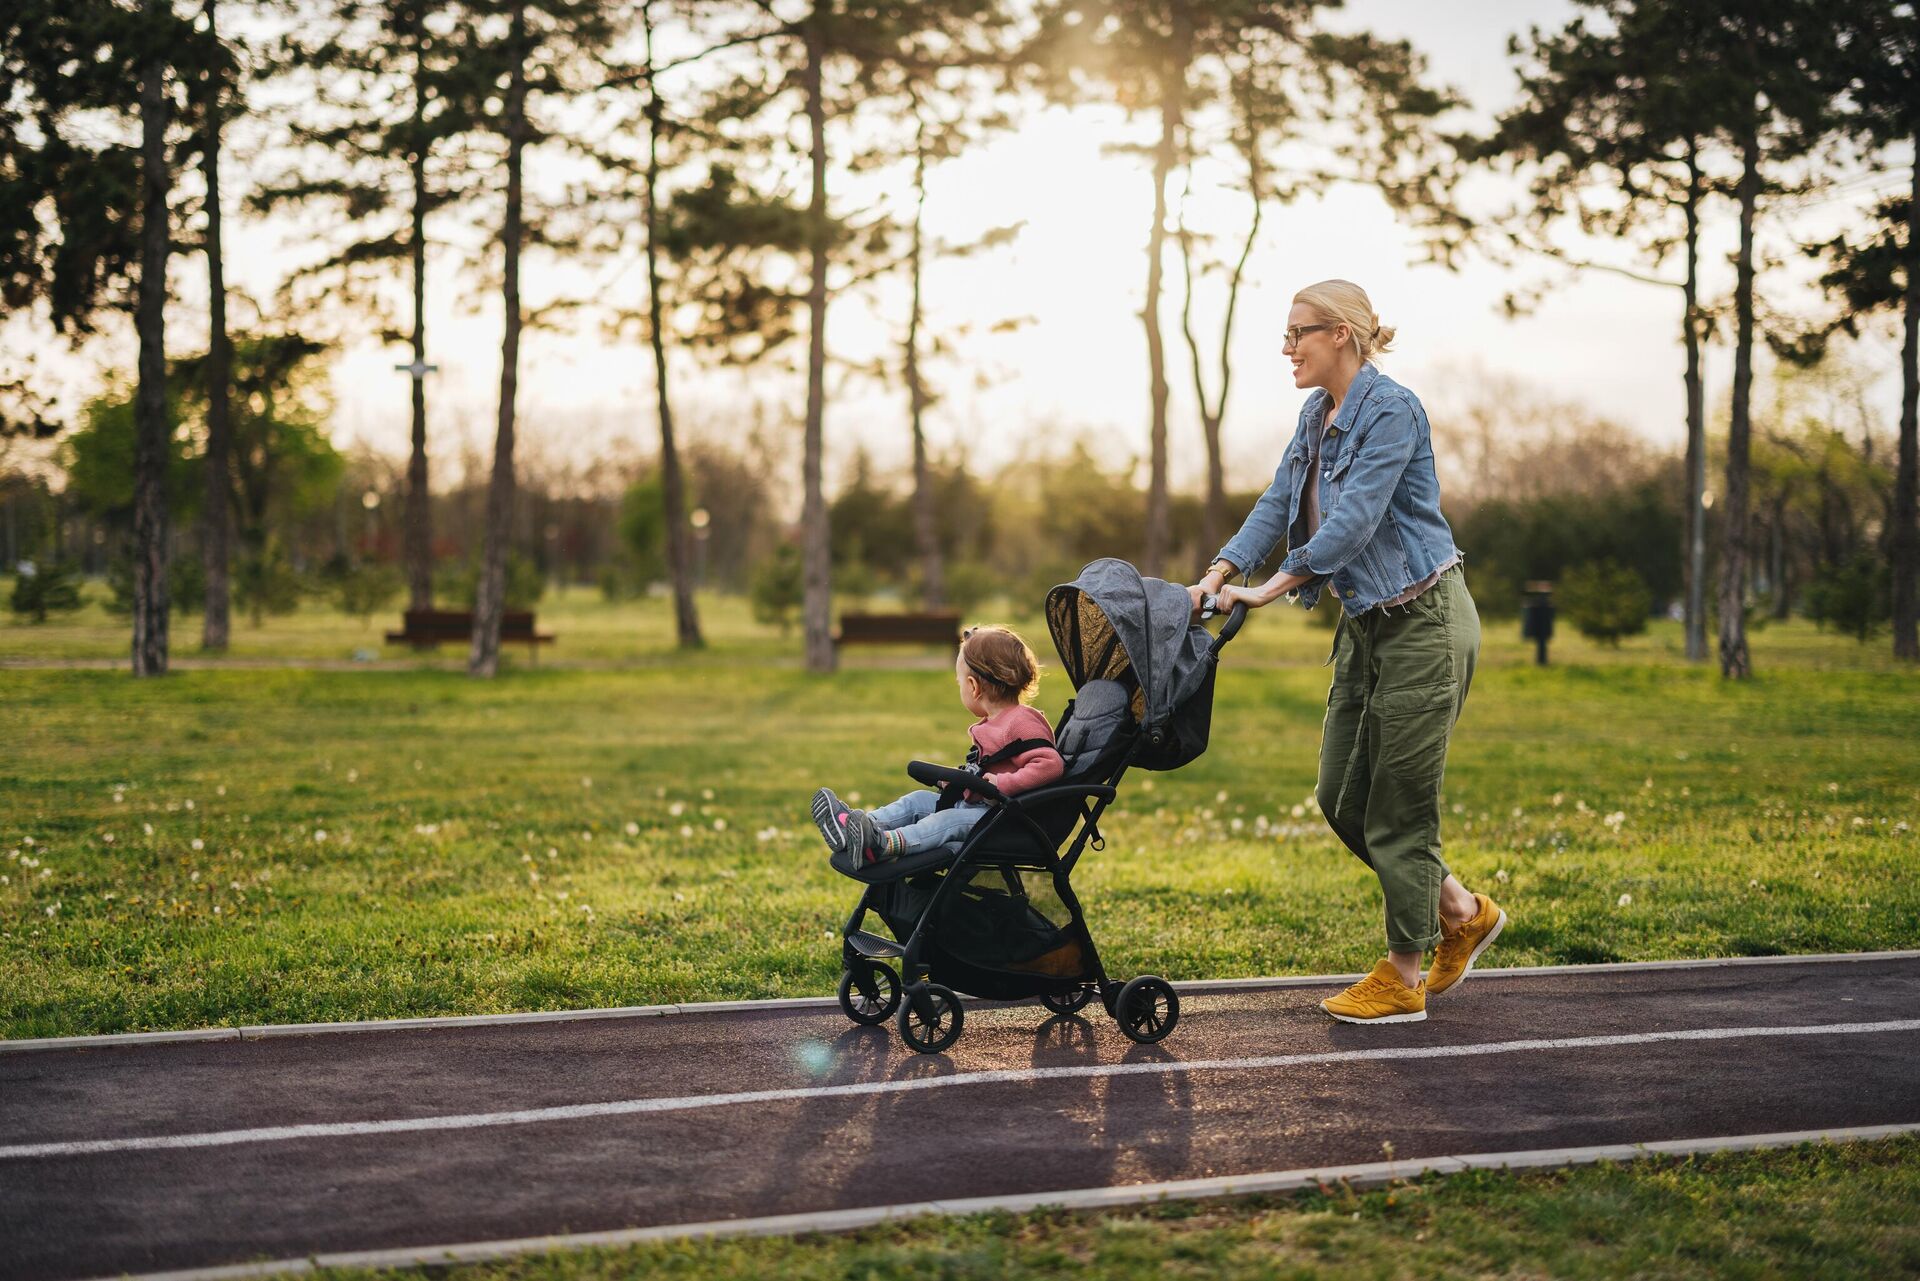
816, 541
418, 532
1735, 662
216, 516
926, 530
672, 484
151, 428
1905, 543
1695, 570
1173, 81
490, 599
1777, 559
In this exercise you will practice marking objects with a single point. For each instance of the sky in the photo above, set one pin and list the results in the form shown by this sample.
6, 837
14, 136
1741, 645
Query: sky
1075, 278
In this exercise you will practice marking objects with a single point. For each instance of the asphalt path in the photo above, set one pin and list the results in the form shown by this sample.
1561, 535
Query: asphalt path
140, 1158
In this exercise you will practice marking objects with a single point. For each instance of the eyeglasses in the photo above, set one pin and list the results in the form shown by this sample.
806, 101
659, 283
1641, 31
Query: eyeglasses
1296, 332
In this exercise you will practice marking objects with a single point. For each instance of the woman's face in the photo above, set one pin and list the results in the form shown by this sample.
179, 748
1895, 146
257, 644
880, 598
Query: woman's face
1315, 356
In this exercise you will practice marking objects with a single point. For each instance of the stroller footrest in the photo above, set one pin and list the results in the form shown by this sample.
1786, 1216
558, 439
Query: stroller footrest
873, 946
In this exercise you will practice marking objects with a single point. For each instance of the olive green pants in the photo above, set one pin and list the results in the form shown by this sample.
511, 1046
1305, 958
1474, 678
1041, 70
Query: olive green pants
1400, 678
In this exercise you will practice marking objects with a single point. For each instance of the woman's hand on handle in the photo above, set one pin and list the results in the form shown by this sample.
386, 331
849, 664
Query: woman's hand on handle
1254, 597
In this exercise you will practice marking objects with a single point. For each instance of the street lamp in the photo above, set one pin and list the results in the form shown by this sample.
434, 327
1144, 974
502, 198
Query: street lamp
699, 519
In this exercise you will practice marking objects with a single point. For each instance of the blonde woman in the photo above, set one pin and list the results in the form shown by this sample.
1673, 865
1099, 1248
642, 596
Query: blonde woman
1356, 503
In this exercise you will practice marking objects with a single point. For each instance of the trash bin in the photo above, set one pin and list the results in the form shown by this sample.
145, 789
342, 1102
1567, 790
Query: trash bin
1536, 619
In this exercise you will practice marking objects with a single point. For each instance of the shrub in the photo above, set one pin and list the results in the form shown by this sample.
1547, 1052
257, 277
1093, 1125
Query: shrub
43, 589
1856, 597
1606, 601
364, 590
778, 588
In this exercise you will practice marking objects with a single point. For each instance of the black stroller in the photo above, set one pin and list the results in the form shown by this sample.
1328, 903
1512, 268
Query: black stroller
998, 918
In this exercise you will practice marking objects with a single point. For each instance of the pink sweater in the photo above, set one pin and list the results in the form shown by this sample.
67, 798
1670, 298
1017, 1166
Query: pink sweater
1030, 769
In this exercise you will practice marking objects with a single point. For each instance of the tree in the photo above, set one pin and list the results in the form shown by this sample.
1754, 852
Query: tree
1164, 56
388, 89
1612, 121
539, 44
1605, 600
215, 523
85, 212
1881, 70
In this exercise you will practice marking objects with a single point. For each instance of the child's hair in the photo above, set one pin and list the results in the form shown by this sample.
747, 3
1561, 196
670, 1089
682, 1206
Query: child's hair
1002, 662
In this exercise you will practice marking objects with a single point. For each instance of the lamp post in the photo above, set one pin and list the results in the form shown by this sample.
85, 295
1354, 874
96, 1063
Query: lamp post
700, 521
370, 503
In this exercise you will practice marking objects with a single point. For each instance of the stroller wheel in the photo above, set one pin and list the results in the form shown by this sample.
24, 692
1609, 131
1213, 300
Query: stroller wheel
1147, 1008
1069, 1003
869, 992
938, 1026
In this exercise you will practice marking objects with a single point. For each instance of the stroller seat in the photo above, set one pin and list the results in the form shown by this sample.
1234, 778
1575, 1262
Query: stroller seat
1092, 737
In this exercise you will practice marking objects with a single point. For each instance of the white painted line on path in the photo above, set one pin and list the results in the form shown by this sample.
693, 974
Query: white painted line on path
1005, 1076
1372, 1174
249, 1032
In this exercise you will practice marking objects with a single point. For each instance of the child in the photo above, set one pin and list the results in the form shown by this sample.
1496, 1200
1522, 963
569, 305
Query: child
996, 673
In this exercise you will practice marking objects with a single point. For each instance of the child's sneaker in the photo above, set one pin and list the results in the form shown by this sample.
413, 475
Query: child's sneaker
830, 816
865, 843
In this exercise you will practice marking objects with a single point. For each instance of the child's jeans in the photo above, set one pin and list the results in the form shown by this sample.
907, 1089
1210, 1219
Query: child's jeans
925, 828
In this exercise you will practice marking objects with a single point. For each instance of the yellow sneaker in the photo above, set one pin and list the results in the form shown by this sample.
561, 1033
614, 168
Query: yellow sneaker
1379, 998
1453, 959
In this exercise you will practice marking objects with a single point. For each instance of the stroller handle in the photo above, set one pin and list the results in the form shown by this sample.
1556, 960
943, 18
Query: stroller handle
1235, 621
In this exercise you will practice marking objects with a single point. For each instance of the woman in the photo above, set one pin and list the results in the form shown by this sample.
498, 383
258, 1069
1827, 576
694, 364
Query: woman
1357, 504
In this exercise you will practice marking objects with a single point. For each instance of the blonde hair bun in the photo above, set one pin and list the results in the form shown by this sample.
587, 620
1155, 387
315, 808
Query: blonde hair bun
1341, 302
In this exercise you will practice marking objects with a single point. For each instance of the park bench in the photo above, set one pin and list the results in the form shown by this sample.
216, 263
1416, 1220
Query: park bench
425, 628
939, 628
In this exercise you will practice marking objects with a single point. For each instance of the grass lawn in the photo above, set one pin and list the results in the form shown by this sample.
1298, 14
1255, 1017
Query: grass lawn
1841, 1212
246, 845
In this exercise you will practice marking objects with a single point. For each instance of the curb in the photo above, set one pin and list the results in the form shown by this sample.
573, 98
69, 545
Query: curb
1372, 1174
1193, 987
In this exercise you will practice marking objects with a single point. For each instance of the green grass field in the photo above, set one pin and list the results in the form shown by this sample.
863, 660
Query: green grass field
628, 825
260, 844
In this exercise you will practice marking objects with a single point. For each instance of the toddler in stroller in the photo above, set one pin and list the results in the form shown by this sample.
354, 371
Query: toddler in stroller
1012, 744
986, 907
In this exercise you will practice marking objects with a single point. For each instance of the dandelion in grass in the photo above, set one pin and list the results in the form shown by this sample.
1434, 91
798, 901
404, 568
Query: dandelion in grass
353, 776
319, 836
686, 829
1901, 826
1559, 799
1625, 900
706, 793
147, 828
198, 844
1615, 819
719, 824
677, 808
633, 829
552, 853
1501, 876
585, 781
53, 908
853, 798
119, 798
1237, 824
220, 790
1298, 811
1518, 812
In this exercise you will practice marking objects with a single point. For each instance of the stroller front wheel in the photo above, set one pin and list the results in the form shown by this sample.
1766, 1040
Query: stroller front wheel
869, 993
930, 1019
1147, 1008
1068, 1004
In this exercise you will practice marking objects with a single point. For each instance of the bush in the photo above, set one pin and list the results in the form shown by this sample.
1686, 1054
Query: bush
44, 589
186, 585
969, 584
364, 590
1606, 601
1856, 597
778, 588
525, 584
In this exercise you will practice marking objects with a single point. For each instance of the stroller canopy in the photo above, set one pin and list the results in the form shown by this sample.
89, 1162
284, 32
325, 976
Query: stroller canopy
1112, 623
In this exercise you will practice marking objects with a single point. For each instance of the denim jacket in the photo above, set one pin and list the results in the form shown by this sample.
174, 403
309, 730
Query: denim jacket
1381, 530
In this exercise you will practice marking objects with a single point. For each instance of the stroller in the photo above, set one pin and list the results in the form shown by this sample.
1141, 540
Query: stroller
998, 919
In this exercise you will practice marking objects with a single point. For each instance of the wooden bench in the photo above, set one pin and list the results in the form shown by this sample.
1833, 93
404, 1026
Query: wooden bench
425, 628
940, 628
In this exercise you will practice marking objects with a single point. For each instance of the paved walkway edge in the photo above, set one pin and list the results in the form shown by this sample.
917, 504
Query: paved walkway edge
1197, 987
1373, 1174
